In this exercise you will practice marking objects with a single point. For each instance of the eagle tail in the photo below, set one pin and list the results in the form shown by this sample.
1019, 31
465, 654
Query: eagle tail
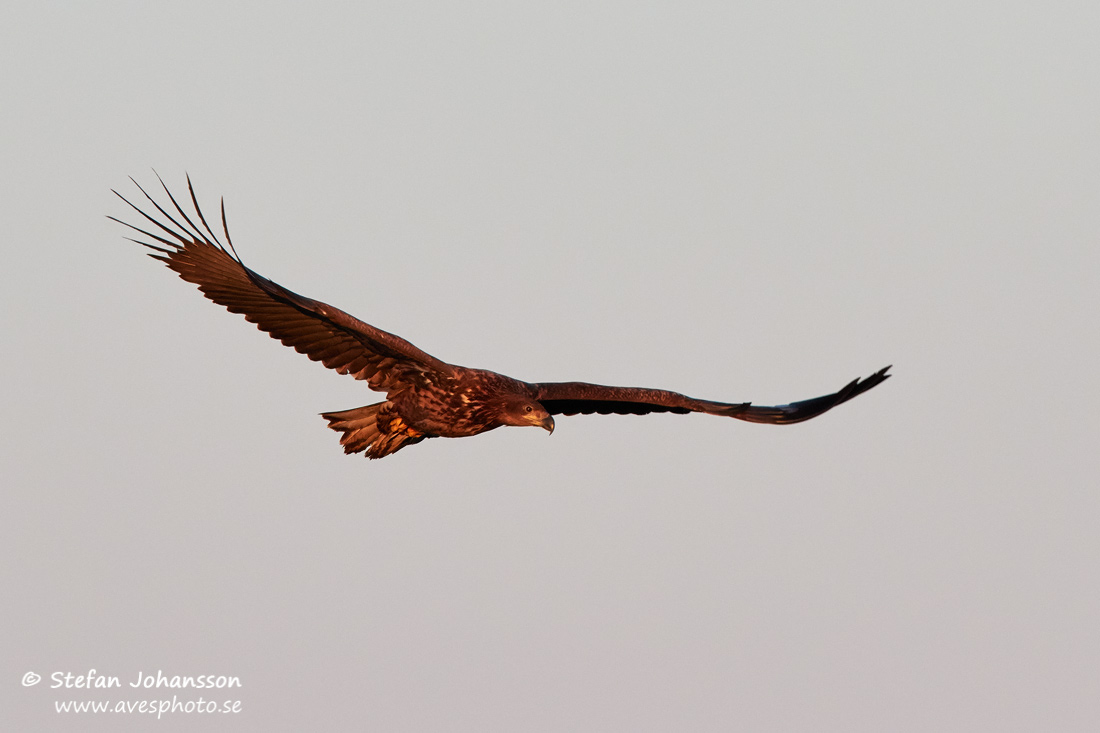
377, 429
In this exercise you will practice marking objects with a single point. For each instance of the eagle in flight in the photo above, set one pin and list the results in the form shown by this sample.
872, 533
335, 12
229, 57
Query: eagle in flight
425, 397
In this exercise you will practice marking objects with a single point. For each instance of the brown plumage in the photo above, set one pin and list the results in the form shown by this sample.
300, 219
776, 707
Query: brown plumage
425, 397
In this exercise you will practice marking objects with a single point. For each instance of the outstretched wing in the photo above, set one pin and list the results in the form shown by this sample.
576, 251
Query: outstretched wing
320, 331
572, 398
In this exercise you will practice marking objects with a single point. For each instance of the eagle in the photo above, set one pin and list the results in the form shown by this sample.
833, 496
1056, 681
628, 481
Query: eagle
425, 397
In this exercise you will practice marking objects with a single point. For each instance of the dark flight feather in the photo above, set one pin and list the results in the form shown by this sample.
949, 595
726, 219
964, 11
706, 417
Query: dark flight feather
426, 397
573, 398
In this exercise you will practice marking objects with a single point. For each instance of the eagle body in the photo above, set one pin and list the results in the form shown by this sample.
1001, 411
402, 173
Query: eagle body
425, 397
467, 403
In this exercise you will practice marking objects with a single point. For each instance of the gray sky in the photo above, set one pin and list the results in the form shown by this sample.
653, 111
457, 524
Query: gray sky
737, 201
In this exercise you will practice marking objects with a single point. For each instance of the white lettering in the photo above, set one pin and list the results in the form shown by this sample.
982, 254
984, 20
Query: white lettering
178, 682
84, 681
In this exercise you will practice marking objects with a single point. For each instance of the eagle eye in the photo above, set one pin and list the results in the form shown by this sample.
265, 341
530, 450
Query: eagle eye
528, 408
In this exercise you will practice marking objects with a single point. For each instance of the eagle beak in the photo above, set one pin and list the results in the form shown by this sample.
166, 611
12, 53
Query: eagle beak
547, 424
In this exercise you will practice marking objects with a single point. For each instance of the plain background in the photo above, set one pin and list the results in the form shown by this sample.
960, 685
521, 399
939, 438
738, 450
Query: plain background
740, 201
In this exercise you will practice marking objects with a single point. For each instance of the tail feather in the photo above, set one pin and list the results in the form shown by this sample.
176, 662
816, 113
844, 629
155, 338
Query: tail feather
377, 429
359, 426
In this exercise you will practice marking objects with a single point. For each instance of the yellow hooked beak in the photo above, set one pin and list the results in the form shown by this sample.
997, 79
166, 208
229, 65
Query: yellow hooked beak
547, 424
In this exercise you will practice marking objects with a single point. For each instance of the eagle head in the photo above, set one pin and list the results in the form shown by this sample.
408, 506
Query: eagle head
522, 411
